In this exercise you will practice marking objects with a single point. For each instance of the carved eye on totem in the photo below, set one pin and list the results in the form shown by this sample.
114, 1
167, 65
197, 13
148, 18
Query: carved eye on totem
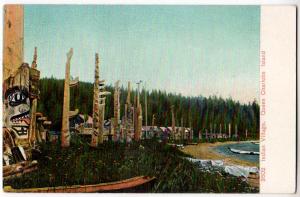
16, 96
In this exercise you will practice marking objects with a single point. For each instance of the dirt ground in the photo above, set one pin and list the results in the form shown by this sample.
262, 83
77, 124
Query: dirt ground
205, 151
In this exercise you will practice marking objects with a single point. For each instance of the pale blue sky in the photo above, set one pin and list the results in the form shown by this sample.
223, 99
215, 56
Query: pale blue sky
192, 50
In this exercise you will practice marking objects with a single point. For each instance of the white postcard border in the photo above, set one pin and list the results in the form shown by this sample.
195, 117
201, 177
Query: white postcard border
278, 99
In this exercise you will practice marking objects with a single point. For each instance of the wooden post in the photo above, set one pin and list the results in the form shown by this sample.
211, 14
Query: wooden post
128, 103
13, 39
182, 134
190, 126
101, 122
95, 134
138, 115
116, 106
32, 127
153, 120
229, 130
146, 119
102, 93
215, 130
210, 127
65, 132
173, 121
140, 122
220, 130
129, 121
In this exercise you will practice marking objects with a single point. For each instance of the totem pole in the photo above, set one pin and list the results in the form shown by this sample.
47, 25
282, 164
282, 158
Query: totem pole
102, 97
65, 130
116, 108
215, 130
173, 121
182, 134
96, 108
200, 135
146, 115
211, 132
190, 126
99, 93
34, 97
129, 116
138, 116
153, 120
229, 130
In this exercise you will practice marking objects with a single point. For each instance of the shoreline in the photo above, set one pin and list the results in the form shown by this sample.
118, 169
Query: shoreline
206, 151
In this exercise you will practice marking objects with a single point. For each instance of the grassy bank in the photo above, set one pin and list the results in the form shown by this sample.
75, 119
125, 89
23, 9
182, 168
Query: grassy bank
81, 164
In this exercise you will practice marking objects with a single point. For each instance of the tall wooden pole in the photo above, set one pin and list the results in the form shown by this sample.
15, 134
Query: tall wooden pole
146, 113
13, 39
211, 131
153, 120
101, 104
95, 134
229, 130
173, 122
65, 132
116, 106
32, 127
200, 135
128, 114
182, 134
138, 116
128, 103
215, 130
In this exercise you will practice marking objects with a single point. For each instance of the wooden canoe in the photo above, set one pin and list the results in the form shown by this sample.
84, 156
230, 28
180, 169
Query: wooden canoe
102, 187
243, 151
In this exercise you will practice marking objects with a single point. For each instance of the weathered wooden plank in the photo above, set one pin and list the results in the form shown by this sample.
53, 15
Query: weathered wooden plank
13, 39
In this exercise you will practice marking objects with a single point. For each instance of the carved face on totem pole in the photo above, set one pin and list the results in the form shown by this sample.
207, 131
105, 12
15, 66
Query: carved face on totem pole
17, 110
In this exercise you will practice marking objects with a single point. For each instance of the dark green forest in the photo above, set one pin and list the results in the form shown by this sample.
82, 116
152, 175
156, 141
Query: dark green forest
197, 112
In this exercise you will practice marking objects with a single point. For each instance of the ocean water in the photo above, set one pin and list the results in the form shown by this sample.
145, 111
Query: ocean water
246, 146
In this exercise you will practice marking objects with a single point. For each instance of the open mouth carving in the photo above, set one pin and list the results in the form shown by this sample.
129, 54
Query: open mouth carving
20, 117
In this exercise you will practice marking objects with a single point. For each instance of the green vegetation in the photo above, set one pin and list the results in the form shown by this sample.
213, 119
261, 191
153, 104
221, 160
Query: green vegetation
197, 112
81, 164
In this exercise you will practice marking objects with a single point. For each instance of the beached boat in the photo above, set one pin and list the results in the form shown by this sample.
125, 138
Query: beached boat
101, 187
243, 151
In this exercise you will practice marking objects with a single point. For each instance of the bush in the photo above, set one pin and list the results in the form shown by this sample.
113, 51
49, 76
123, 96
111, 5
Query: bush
81, 164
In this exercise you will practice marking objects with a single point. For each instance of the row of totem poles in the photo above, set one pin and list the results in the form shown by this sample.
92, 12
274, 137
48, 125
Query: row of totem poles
214, 133
131, 126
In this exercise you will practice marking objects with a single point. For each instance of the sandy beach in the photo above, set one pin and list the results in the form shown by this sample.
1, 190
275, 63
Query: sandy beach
205, 151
